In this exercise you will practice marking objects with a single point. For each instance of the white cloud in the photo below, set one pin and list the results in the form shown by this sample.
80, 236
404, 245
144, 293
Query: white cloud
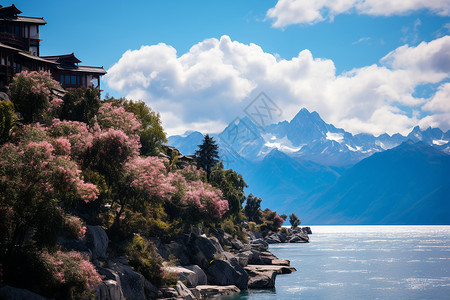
207, 87
288, 12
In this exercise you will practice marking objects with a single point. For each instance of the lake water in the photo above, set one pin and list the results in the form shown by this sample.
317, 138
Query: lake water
365, 262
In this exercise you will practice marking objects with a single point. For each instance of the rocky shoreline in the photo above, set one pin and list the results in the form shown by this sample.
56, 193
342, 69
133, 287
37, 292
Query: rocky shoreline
207, 266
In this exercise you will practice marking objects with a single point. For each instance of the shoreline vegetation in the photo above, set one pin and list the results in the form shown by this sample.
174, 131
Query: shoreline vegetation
94, 205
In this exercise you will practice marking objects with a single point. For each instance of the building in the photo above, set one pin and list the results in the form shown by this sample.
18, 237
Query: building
19, 51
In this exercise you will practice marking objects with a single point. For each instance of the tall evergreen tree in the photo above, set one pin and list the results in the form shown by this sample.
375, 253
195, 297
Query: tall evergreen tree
207, 155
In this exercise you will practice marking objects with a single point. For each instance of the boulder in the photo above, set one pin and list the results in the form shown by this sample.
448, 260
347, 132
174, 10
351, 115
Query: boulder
184, 292
161, 248
307, 230
237, 244
201, 275
299, 238
109, 290
11, 293
132, 283
261, 279
168, 292
180, 251
203, 250
189, 277
259, 245
224, 272
211, 291
97, 241
273, 239
264, 268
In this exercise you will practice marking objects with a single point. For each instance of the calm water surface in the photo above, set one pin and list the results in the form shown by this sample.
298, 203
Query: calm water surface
365, 262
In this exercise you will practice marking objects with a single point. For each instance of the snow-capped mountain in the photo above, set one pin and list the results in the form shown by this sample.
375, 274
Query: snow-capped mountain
307, 137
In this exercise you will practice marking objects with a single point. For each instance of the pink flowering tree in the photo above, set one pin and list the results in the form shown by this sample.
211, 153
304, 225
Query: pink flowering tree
36, 182
142, 188
31, 93
113, 116
69, 274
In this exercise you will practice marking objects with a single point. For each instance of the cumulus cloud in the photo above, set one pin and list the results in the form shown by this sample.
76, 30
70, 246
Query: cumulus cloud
211, 84
288, 12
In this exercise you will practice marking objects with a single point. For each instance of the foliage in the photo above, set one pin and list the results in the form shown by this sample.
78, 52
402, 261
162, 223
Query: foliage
7, 120
70, 273
207, 155
34, 183
80, 104
152, 135
74, 227
143, 258
252, 209
116, 117
232, 186
294, 220
271, 220
31, 93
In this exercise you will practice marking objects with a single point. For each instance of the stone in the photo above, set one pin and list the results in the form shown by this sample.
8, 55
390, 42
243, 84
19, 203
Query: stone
201, 275
307, 230
180, 251
132, 283
189, 277
210, 291
237, 244
109, 290
224, 272
261, 280
169, 293
299, 238
161, 248
184, 292
276, 268
97, 241
11, 293
259, 245
203, 250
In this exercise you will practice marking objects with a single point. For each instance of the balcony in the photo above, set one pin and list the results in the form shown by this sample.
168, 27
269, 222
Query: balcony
13, 40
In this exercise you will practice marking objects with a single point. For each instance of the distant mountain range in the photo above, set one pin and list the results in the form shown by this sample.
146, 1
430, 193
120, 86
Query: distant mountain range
329, 176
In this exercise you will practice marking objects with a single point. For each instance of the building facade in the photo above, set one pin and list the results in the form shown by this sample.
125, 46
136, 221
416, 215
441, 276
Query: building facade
19, 51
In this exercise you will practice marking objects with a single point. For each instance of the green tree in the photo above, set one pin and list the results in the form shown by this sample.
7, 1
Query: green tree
207, 155
80, 104
7, 120
294, 220
152, 136
232, 186
252, 209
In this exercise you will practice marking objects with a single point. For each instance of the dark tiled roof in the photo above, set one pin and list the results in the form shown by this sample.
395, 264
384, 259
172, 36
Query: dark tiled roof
37, 58
67, 57
86, 69
21, 19
8, 47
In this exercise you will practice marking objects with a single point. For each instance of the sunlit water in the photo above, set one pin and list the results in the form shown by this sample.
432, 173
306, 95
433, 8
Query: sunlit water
365, 262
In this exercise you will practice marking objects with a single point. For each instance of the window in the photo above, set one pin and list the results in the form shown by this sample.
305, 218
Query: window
61, 79
73, 80
67, 79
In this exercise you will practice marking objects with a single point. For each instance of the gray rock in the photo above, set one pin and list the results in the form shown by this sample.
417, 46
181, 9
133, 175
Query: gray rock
224, 272
237, 244
189, 277
169, 293
211, 291
261, 279
201, 275
203, 250
11, 293
299, 238
180, 251
276, 268
259, 245
97, 241
161, 248
184, 292
132, 283
109, 290
196, 293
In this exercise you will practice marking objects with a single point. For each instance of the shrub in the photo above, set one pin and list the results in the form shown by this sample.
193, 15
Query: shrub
142, 257
31, 93
69, 273
74, 227
294, 220
80, 104
7, 120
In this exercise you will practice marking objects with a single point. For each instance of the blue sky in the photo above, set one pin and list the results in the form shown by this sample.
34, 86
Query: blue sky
355, 37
